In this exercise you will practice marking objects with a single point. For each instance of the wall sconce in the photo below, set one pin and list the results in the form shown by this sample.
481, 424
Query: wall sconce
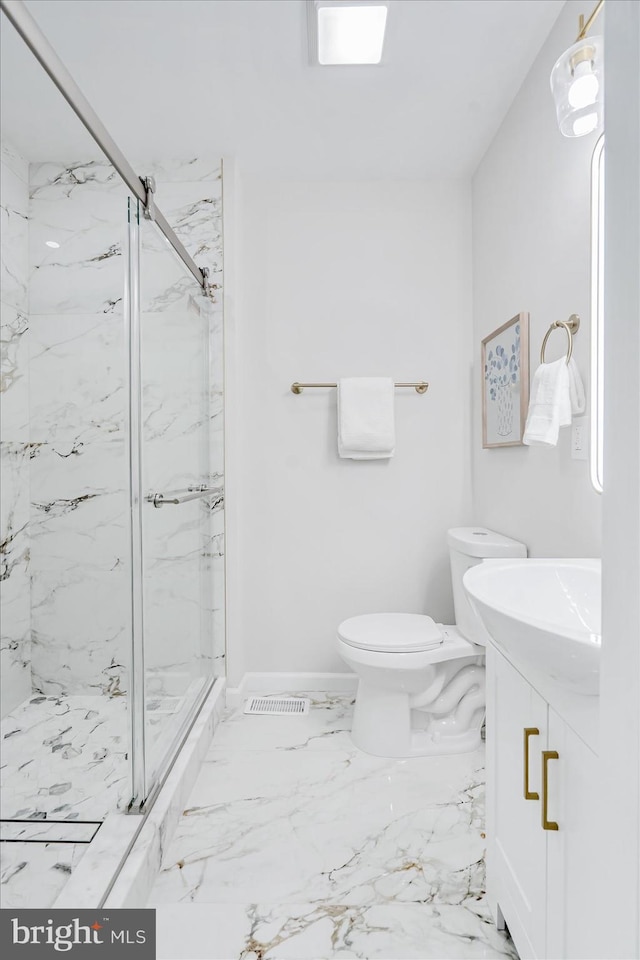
577, 83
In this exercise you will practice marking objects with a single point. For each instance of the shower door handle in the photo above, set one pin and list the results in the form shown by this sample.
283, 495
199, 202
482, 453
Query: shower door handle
163, 499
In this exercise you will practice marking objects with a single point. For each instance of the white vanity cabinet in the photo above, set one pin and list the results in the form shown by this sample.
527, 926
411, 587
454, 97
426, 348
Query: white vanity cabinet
541, 786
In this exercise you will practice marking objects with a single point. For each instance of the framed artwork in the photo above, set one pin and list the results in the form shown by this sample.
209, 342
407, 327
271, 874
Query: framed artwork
505, 383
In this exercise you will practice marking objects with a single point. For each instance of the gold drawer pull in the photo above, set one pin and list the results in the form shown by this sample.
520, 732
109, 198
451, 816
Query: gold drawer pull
546, 756
529, 732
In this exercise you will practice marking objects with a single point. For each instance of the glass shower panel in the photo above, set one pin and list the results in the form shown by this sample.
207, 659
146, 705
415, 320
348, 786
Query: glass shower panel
179, 495
64, 570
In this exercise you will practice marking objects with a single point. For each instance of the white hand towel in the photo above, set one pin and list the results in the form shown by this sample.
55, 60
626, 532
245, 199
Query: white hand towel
550, 404
576, 388
366, 428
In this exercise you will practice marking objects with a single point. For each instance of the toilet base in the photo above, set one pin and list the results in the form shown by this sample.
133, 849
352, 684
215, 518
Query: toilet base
396, 723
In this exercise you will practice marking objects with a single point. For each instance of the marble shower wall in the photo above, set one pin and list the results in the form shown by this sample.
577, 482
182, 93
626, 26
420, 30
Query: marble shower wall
64, 425
79, 569
15, 652
182, 433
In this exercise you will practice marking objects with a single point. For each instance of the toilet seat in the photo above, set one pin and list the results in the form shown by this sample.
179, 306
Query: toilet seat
391, 632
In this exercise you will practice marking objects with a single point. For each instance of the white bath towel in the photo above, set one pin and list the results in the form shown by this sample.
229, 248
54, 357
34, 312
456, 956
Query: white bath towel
366, 428
556, 393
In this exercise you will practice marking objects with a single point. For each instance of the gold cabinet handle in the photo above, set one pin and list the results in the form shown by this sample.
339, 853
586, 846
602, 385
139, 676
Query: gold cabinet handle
529, 732
546, 756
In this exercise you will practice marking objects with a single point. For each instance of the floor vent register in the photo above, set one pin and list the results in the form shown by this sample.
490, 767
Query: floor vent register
277, 706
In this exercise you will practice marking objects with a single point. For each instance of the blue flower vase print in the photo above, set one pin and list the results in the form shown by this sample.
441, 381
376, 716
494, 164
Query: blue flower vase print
505, 361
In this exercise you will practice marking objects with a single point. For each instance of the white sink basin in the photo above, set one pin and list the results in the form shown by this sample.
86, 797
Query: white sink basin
545, 613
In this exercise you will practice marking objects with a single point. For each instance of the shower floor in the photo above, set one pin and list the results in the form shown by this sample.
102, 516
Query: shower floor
64, 758
65, 763
295, 844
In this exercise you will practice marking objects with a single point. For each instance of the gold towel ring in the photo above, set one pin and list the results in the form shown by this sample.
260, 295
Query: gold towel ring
570, 326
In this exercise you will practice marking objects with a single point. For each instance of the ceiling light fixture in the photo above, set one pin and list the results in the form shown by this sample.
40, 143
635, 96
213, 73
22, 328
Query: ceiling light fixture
52, 243
577, 82
346, 32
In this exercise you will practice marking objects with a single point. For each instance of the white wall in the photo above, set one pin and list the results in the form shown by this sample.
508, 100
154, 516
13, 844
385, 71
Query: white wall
340, 279
531, 236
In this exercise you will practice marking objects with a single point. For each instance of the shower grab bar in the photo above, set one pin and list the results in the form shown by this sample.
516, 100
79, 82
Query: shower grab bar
193, 493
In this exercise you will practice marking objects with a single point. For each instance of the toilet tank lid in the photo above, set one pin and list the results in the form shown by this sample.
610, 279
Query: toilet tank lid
480, 542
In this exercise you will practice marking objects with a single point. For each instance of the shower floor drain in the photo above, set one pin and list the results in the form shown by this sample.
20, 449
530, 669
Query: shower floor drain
277, 706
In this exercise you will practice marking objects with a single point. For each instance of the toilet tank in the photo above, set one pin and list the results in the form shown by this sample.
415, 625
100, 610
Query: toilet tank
467, 547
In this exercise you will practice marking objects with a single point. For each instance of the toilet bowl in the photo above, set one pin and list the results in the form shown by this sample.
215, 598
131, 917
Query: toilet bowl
421, 684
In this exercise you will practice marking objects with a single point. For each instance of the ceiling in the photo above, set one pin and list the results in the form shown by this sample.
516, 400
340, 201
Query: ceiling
181, 78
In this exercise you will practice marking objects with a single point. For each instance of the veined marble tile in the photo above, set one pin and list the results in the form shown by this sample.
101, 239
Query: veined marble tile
194, 211
15, 637
77, 398
175, 378
187, 170
389, 853
33, 874
339, 826
53, 180
14, 374
178, 592
216, 386
140, 869
304, 931
14, 238
176, 587
326, 727
82, 207
77, 378
10, 157
80, 581
214, 551
64, 758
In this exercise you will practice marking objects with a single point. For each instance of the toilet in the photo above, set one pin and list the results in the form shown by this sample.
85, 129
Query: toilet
421, 684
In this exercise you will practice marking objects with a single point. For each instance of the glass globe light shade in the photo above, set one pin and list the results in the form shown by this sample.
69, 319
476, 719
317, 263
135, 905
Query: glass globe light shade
577, 84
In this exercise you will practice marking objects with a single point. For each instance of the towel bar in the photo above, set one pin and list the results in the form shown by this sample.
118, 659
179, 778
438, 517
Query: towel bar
420, 387
571, 326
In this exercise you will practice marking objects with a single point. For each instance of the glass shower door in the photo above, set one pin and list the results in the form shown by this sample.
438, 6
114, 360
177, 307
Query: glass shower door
178, 497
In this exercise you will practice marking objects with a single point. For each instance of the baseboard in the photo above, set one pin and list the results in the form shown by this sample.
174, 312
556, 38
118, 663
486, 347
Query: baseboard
291, 683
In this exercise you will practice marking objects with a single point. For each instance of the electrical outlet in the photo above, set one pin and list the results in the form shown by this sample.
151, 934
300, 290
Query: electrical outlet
580, 438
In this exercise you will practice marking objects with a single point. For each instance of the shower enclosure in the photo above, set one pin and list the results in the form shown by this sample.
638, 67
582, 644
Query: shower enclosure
112, 457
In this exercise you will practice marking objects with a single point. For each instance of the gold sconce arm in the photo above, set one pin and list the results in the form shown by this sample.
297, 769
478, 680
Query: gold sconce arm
585, 27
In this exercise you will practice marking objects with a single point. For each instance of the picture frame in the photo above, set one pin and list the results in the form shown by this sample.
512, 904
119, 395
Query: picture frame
505, 383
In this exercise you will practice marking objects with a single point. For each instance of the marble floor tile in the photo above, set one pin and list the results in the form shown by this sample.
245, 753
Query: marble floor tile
324, 932
33, 874
294, 844
64, 758
326, 726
